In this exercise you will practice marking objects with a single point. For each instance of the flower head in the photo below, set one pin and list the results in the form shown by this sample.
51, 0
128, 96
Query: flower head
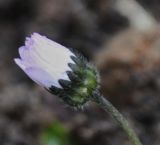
58, 69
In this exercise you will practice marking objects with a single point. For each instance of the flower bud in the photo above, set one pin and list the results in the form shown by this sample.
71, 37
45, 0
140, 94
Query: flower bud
58, 69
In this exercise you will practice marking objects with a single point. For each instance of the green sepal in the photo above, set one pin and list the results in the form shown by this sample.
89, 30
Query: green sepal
65, 84
83, 82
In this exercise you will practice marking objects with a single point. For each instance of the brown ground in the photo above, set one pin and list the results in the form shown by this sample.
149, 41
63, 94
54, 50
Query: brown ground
128, 61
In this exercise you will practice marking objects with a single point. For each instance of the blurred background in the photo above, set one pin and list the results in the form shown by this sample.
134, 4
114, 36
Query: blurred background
122, 39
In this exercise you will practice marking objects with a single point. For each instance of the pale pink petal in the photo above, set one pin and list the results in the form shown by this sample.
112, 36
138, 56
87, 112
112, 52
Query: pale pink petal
41, 77
44, 60
20, 63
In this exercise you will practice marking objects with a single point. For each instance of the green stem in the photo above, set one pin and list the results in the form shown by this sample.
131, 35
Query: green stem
108, 107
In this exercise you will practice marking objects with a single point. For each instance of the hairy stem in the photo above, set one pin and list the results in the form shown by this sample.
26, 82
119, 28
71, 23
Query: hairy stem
108, 107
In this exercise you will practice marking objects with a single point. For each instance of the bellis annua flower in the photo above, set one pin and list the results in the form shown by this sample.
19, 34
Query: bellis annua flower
67, 75
58, 69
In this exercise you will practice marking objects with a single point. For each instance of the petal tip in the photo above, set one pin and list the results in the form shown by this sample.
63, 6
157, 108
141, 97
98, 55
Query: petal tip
36, 36
19, 62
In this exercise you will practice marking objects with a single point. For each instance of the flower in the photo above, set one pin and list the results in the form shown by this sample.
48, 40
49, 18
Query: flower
58, 69
44, 61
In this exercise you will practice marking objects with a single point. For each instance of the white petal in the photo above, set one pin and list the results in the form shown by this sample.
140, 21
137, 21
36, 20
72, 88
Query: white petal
44, 60
20, 63
50, 49
55, 56
41, 77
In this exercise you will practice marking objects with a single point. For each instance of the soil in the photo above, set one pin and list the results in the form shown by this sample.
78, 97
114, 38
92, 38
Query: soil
128, 62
